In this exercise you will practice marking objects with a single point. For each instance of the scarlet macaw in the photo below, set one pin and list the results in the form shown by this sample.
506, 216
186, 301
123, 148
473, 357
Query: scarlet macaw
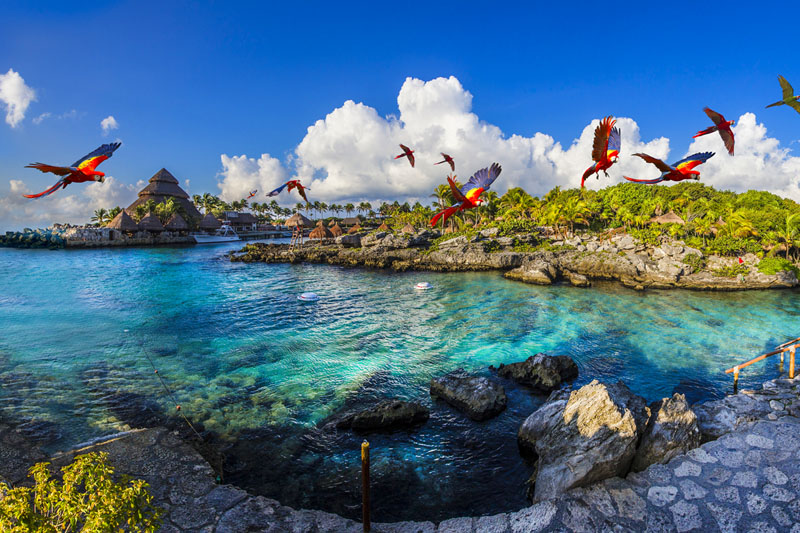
81, 170
721, 125
605, 149
407, 152
449, 160
789, 97
252, 193
293, 184
682, 170
469, 194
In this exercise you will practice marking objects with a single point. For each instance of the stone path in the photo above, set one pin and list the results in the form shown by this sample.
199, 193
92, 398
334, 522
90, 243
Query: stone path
747, 480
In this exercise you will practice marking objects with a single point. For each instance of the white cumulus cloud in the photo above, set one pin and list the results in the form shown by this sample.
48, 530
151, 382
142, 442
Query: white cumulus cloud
16, 96
242, 174
109, 123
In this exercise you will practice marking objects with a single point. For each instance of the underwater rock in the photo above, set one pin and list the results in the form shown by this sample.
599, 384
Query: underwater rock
671, 430
385, 415
587, 436
543, 373
538, 272
478, 397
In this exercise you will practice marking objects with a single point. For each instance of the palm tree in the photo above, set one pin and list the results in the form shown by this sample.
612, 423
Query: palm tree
100, 216
299, 206
790, 231
349, 208
443, 195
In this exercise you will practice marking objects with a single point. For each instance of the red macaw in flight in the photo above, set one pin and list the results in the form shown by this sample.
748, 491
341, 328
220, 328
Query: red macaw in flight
449, 160
252, 193
789, 98
605, 149
407, 152
81, 170
469, 195
293, 184
721, 125
682, 170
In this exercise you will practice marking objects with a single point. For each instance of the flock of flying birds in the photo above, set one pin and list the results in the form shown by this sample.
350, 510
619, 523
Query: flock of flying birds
605, 152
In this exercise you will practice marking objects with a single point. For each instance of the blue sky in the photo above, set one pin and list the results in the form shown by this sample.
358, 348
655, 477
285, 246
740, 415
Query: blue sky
187, 83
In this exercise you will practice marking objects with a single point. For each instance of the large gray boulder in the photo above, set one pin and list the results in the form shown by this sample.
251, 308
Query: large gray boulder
349, 241
385, 415
543, 373
478, 397
671, 430
536, 272
586, 437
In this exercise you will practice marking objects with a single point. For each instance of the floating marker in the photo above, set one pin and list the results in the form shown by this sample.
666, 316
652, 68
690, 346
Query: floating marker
308, 297
423, 285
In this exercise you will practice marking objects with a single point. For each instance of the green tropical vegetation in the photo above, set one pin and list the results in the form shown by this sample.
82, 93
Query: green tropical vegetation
84, 497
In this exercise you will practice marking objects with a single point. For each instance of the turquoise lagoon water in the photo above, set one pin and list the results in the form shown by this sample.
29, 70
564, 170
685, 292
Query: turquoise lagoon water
264, 370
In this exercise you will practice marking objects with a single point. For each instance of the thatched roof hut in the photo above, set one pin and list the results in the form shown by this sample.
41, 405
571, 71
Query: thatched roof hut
161, 186
336, 231
408, 228
320, 232
332, 223
177, 223
351, 221
354, 229
210, 222
123, 222
298, 220
383, 227
668, 218
150, 222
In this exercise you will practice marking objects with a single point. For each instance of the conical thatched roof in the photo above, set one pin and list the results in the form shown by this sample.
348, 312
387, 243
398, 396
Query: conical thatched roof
351, 221
150, 222
123, 222
354, 229
408, 228
298, 220
383, 227
336, 231
320, 232
668, 218
332, 223
176, 223
161, 186
210, 222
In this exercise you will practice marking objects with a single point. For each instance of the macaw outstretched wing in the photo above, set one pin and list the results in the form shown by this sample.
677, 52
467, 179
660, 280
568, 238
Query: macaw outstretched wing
302, 191
457, 194
794, 104
649, 182
715, 117
92, 159
60, 183
601, 138
277, 191
663, 167
693, 160
482, 179
788, 91
58, 171
614, 140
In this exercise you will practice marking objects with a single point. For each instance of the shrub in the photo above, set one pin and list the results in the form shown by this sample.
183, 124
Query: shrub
648, 235
732, 271
514, 226
773, 265
85, 499
726, 245
695, 261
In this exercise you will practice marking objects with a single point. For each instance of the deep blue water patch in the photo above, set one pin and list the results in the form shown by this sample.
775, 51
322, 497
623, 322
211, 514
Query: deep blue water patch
265, 371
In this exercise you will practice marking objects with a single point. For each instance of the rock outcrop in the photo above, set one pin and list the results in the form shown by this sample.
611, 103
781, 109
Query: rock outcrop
541, 372
671, 430
478, 397
586, 436
390, 414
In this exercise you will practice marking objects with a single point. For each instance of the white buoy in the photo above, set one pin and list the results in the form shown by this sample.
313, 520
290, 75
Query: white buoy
308, 297
423, 285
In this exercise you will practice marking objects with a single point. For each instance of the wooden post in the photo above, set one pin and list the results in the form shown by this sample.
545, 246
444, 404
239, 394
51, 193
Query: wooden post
365, 485
780, 368
791, 361
735, 379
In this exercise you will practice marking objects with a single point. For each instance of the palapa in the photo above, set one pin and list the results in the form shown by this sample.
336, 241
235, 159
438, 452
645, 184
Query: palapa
351, 221
408, 228
150, 222
210, 222
336, 231
162, 186
668, 218
320, 232
177, 223
298, 220
383, 227
123, 222
354, 229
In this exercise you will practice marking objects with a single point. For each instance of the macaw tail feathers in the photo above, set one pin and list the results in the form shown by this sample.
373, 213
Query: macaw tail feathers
706, 131
51, 190
779, 102
586, 174
649, 182
444, 215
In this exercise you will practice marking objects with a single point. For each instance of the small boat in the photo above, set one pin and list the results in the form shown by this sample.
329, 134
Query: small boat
224, 234
423, 285
308, 297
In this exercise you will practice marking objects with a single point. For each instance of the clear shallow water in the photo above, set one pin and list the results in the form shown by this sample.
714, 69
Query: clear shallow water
251, 362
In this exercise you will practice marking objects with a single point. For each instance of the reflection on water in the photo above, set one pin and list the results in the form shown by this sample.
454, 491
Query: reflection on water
251, 362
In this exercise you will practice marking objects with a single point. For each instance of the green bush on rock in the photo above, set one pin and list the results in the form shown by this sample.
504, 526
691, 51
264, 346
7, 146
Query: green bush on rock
773, 265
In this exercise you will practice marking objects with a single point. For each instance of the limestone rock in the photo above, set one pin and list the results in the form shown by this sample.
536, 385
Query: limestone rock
349, 241
537, 272
593, 437
671, 430
541, 372
385, 415
578, 280
478, 397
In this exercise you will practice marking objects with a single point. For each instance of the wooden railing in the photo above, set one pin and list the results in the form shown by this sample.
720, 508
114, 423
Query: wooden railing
790, 347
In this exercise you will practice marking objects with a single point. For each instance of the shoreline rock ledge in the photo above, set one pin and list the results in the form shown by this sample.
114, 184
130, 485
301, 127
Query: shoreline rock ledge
478, 397
543, 373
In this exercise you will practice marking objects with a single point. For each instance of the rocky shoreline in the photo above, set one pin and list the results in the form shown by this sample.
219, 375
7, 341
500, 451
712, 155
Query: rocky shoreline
578, 260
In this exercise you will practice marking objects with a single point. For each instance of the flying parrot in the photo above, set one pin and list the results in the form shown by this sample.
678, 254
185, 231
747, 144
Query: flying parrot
81, 170
682, 170
722, 126
447, 159
789, 97
293, 184
407, 152
469, 195
252, 193
605, 149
